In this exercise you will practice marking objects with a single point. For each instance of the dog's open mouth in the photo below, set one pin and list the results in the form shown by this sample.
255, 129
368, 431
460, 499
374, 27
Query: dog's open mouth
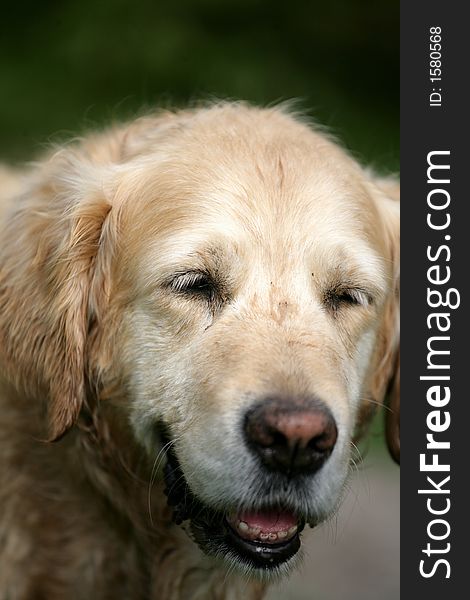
262, 539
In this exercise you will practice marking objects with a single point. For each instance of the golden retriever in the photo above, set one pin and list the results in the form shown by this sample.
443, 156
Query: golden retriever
205, 301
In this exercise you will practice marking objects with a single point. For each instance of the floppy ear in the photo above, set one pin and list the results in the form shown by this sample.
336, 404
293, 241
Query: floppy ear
386, 376
48, 255
392, 418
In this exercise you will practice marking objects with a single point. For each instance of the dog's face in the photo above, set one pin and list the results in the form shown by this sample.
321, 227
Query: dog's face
247, 308
256, 269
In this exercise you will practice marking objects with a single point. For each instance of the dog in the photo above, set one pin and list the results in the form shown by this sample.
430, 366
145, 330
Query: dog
198, 318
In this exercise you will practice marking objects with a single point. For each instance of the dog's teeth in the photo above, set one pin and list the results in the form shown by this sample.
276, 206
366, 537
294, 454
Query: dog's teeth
255, 533
292, 530
243, 526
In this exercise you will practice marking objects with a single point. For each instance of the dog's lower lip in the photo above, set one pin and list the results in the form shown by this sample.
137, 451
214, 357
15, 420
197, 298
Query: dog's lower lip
261, 554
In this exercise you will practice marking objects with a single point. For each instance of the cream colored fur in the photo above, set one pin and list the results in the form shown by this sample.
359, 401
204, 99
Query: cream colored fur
97, 347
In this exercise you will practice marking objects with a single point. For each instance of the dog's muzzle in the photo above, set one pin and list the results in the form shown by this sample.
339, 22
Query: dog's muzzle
262, 539
291, 439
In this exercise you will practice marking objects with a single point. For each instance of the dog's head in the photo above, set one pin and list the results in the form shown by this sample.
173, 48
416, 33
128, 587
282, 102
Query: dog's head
233, 273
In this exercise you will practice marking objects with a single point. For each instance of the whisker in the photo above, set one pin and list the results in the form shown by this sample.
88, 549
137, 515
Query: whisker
156, 465
376, 402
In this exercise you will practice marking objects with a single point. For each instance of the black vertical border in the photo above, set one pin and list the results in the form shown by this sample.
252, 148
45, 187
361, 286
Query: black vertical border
424, 129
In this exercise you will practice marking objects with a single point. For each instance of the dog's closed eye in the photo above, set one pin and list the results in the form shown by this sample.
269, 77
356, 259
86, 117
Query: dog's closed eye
197, 285
343, 296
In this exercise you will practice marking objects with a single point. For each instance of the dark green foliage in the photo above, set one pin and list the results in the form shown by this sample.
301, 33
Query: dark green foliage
69, 65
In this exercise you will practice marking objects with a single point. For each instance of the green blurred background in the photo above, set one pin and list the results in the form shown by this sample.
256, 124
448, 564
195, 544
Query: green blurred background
67, 66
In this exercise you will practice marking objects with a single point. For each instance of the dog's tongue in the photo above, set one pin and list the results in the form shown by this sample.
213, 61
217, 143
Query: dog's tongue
269, 526
269, 521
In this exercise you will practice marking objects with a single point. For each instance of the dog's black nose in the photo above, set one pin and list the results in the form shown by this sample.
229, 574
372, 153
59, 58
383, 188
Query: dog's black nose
294, 437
